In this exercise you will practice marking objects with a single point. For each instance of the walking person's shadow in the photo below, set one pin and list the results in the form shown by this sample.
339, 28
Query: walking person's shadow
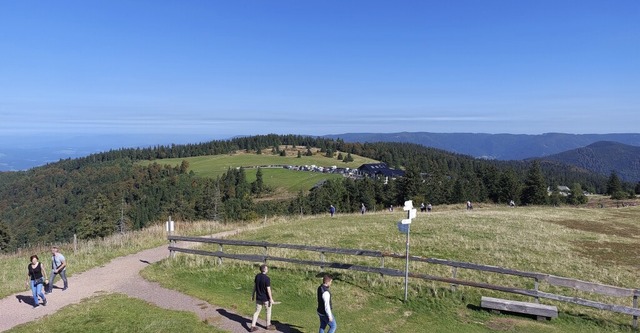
246, 323
232, 316
25, 299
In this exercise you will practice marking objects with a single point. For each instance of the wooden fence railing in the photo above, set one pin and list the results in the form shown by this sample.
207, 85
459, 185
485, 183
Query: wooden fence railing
552, 280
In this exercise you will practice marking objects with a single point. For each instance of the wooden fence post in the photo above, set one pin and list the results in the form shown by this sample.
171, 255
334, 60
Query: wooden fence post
266, 253
322, 259
75, 243
454, 270
537, 284
221, 249
635, 306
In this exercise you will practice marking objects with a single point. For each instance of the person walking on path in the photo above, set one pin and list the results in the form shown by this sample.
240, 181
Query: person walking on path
325, 307
58, 267
363, 209
263, 297
36, 279
332, 210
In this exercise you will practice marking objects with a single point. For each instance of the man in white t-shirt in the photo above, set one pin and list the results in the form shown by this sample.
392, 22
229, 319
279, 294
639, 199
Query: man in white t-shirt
58, 267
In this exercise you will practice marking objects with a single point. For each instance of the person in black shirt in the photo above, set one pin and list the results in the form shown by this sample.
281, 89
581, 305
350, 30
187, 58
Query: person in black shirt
324, 306
263, 297
36, 279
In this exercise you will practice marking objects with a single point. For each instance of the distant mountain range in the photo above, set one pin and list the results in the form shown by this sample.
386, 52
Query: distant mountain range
600, 153
494, 146
602, 157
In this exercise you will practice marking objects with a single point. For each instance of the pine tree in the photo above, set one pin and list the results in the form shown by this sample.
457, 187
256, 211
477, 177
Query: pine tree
509, 187
577, 196
329, 153
184, 166
535, 189
348, 159
257, 187
613, 184
100, 221
5, 238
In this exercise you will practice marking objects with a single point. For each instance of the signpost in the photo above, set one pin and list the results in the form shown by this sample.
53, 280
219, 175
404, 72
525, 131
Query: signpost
170, 226
404, 226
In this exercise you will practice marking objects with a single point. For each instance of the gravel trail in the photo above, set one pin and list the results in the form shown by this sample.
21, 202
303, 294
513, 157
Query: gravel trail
121, 275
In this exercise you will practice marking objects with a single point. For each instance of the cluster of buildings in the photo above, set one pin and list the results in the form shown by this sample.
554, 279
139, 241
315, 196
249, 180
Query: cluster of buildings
373, 170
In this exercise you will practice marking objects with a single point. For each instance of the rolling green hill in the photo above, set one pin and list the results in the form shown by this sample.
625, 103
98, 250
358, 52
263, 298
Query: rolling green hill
275, 176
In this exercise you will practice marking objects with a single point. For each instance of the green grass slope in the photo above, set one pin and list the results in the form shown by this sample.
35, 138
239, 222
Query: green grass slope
279, 179
116, 313
597, 245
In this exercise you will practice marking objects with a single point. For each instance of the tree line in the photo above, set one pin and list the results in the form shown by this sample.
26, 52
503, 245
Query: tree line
108, 192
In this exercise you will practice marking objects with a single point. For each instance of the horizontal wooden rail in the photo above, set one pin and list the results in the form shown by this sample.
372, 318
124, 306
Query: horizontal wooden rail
590, 286
262, 258
355, 252
398, 273
552, 280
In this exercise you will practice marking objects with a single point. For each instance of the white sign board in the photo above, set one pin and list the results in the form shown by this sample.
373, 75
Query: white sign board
170, 226
403, 227
408, 205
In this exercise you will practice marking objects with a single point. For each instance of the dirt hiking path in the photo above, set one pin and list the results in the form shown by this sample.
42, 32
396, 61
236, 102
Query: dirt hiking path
121, 275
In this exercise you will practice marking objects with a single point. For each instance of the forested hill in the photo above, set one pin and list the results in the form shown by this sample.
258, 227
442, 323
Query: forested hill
495, 146
604, 157
87, 196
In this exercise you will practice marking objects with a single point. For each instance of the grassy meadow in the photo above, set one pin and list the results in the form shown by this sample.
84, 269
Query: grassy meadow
596, 245
277, 178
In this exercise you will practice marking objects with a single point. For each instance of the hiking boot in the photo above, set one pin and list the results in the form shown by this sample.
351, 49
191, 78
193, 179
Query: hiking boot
271, 327
253, 329
44, 302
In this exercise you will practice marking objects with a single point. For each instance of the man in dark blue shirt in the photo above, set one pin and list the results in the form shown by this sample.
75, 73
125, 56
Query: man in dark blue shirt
262, 296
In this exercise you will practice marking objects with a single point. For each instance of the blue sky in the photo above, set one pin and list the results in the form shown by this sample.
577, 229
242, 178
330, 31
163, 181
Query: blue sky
216, 69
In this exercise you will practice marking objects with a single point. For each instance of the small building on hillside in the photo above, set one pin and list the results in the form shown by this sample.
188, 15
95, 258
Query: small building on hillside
562, 190
376, 170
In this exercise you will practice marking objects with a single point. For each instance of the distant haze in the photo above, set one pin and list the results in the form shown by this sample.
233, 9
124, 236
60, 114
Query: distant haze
23, 153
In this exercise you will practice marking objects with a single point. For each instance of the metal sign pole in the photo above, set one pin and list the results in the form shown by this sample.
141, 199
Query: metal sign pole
406, 268
405, 226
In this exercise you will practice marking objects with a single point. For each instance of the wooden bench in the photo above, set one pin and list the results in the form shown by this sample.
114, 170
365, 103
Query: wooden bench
541, 311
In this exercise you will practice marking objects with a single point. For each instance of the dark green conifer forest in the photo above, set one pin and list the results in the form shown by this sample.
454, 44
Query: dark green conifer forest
87, 196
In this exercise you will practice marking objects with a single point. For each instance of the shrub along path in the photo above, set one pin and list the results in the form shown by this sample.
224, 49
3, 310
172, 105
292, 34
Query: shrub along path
121, 275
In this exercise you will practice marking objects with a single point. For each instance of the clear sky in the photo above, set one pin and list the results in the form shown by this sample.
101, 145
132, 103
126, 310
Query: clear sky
224, 68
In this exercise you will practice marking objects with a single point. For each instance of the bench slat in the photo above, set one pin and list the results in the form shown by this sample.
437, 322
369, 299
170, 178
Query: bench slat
535, 309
